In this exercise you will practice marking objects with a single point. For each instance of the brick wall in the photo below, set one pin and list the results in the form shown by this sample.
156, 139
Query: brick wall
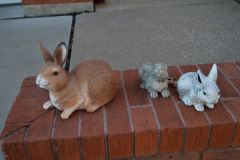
132, 126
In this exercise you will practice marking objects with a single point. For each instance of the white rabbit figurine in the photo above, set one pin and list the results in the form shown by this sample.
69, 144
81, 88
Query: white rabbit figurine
89, 85
198, 90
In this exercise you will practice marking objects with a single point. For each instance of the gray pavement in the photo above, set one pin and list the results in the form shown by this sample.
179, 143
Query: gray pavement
113, 5
174, 35
124, 33
20, 56
11, 12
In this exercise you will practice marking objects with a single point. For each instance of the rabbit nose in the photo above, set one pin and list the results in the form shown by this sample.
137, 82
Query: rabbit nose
38, 80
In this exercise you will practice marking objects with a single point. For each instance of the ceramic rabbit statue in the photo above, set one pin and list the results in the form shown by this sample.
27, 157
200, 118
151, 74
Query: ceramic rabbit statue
89, 85
154, 79
198, 90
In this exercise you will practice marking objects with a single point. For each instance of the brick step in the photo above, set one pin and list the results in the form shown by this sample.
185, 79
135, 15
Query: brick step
132, 126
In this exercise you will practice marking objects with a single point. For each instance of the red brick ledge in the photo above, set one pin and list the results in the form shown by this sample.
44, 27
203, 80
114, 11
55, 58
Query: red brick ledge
132, 126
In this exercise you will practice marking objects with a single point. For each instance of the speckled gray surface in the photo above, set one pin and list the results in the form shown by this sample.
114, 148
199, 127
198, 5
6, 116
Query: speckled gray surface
177, 35
112, 5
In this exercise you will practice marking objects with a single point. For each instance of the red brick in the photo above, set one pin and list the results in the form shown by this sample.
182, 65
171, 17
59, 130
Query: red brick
65, 137
198, 128
118, 77
136, 95
222, 126
186, 156
119, 131
236, 82
145, 132
61, 1
92, 136
13, 147
229, 69
234, 106
222, 155
10, 129
39, 137
32, 92
188, 68
27, 83
29, 103
24, 115
40, 1
26, 2
174, 72
172, 128
225, 87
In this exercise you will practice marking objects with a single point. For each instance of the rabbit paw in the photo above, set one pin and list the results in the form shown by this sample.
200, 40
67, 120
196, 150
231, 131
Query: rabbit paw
92, 108
142, 86
154, 95
165, 93
65, 115
210, 106
186, 101
48, 105
199, 107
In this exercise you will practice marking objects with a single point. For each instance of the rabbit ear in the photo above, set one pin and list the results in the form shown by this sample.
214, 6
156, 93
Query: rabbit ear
212, 76
201, 77
60, 54
46, 55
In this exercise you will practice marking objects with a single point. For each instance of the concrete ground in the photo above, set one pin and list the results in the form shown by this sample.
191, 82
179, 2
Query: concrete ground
172, 34
126, 34
20, 56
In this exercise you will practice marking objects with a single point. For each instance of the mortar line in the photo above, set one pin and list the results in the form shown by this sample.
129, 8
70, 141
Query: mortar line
229, 80
236, 66
156, 121
25, 144
52, 135
180, 70
12, 133
25, 108
210, 131
42, 115
184, 123
129, 116
32, 98
230, 98
79, 134
234, 77
235, 121
120, 86
13, 124
31, 81
140, 106
105, 131
180, 114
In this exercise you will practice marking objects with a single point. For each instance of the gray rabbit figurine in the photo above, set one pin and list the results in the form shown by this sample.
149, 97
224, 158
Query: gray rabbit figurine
154, 79
196, 89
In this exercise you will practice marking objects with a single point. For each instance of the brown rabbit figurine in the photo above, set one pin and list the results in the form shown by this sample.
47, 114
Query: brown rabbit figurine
89, 85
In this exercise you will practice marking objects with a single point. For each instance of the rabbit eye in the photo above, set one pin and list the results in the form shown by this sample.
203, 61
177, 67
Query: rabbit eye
204, 93
55, 73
